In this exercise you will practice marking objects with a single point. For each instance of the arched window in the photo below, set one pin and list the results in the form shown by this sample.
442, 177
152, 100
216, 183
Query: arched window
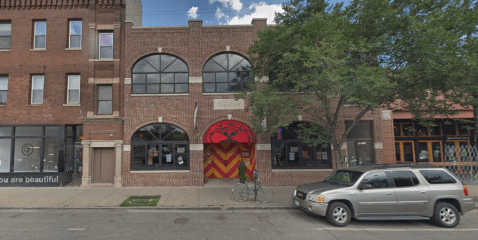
226, 72
160, 73
160, 146
288, 151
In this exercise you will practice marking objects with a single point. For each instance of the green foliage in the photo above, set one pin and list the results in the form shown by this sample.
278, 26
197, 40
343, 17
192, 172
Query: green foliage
393, 54
242, 170
141, 201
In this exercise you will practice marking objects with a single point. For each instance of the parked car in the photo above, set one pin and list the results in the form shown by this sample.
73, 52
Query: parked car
391, 191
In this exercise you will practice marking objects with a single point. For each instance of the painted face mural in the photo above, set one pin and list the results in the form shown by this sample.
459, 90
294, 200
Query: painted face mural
229, 131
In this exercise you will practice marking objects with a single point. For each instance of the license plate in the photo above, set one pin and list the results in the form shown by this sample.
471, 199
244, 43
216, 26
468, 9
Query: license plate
296, 203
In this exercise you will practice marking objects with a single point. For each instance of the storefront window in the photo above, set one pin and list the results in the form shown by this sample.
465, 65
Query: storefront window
160, 146
360, 143
35, 149
291, 152
5, 149
27, 155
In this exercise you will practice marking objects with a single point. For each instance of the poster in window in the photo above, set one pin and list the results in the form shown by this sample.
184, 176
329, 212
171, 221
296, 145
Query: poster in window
291, 156
181, 150
294, 149
436, 153
423, 155
168, 157
156, 153
180, 160
319, 155
150, 156
324, 155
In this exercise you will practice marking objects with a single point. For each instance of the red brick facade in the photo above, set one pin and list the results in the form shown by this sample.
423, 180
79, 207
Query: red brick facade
195, 45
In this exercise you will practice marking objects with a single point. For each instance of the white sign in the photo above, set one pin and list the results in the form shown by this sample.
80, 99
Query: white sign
222, 104
168, 157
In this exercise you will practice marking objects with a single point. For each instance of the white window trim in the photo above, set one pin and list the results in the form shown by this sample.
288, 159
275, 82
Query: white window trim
68, 90
7, 49
42, 90
99, 45
69, 34
6, 77
35, 34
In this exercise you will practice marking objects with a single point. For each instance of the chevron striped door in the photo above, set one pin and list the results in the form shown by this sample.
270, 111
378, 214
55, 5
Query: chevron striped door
225, 158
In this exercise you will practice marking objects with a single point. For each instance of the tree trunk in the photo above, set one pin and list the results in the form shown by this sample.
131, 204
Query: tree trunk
475, 115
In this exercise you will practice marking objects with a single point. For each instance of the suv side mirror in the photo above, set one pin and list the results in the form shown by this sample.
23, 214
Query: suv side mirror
363, 186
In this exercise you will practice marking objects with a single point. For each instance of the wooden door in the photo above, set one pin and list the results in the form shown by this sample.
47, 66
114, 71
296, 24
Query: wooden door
103, 165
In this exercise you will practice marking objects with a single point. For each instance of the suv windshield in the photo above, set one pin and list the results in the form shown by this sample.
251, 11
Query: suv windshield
343, 177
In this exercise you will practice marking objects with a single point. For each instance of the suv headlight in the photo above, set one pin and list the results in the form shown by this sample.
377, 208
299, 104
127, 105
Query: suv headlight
295, 193
316, 198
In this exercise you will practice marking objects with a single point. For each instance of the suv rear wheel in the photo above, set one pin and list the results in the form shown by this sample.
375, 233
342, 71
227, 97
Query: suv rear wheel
446, 215
338, 214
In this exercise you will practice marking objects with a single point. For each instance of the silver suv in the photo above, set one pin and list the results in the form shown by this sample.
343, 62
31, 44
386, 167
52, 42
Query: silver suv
392, 191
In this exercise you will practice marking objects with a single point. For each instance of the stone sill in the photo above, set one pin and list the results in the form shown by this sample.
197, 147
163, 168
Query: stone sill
5, 50
73, 49
161, 171
159, 95
37, 49
71, 105
302, 170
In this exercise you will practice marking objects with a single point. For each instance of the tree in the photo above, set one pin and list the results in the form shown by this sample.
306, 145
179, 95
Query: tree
372, 53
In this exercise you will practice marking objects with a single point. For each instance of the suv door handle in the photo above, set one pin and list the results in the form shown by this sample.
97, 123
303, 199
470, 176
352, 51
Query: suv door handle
389, 193
423, 192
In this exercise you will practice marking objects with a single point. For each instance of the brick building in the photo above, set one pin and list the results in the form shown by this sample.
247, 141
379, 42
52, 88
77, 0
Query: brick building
59, 86
181, 81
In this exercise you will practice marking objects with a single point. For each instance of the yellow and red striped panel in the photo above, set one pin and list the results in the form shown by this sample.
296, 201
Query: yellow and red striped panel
225, 159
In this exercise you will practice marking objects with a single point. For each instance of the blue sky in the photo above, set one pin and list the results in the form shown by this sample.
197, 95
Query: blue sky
212, 12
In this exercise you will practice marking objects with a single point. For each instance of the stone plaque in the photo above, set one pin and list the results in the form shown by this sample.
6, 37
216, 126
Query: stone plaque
386, 115
224, 104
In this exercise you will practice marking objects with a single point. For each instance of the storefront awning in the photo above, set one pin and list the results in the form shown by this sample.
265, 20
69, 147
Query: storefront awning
229, 131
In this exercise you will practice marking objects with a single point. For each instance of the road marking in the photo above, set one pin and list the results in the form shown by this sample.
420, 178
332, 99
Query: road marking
75, 229
399, 230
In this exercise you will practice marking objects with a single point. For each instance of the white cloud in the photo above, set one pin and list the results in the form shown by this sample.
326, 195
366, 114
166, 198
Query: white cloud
192, 12
234, 4
259, 10
219, 13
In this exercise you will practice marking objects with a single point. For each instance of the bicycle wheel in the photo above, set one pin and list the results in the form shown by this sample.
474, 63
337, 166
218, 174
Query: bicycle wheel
264, 193
239, 192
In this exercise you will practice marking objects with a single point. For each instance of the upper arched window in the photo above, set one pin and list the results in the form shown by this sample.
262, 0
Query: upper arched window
160, 73
226, 72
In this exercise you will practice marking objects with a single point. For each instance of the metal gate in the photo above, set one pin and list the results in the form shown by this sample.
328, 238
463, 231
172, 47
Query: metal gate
463, 162
73, 163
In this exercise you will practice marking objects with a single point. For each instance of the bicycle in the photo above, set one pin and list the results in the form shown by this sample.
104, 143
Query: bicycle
241, 191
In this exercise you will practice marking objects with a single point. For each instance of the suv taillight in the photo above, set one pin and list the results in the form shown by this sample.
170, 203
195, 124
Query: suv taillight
465, 191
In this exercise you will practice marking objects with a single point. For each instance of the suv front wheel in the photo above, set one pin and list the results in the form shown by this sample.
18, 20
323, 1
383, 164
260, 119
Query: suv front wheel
338, 214
446, 215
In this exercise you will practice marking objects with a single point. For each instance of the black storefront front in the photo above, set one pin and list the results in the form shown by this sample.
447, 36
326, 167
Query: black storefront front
39, 155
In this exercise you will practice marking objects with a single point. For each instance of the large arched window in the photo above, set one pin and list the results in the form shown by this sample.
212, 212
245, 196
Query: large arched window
160, 73
288, 151
226, 72
160, 146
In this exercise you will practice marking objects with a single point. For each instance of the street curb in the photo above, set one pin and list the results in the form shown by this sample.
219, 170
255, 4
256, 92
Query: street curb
153, 208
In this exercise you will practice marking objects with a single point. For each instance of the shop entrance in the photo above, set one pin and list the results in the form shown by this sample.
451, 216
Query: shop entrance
103, 165
225, 144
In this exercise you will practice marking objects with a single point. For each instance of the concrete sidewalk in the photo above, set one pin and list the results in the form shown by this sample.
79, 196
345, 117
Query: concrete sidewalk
215, 196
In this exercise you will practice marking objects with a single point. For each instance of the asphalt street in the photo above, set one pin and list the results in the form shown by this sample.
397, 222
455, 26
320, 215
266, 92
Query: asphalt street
212, 224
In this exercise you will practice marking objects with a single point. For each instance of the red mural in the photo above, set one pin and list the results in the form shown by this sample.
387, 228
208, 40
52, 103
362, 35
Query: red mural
229, 131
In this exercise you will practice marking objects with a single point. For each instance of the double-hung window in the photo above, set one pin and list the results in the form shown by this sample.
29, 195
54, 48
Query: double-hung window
73, 94
105, 99
38, 83
3, 89
5, 35
106, 45
75, 34
40, 35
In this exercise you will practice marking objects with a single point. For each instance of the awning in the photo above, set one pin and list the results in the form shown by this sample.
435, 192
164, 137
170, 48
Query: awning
229, 131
